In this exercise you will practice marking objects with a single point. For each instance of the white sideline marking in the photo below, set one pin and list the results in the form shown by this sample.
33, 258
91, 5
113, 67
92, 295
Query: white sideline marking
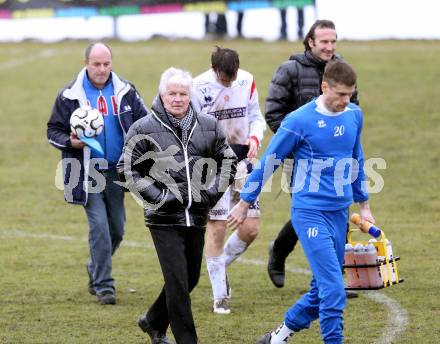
43, 54
24, 234
397, 316
260, 263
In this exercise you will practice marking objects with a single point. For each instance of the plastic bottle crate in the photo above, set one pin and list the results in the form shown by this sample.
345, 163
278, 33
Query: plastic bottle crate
387, 266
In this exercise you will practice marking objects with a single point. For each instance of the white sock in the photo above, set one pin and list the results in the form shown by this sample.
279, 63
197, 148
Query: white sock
281, 335
217, 275
234, 248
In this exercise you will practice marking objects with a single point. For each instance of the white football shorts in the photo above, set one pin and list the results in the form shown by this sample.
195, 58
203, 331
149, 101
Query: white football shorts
232, 195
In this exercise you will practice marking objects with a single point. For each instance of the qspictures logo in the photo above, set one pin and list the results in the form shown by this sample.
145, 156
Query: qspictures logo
203, 174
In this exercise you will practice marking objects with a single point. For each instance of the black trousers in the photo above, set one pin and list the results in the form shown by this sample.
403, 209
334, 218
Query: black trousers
285, 241
180, 251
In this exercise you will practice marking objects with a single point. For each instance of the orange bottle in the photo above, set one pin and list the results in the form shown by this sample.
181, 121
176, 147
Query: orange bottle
359, 258
374, 276
352, 275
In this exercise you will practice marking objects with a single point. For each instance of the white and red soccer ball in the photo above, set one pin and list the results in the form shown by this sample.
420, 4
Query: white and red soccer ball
86, 122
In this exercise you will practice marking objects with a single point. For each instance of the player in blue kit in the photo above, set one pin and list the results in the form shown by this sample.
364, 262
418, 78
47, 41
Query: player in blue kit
324, 137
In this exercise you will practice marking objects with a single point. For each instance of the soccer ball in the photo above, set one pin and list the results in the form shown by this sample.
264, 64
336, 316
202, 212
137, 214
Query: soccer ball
86, 122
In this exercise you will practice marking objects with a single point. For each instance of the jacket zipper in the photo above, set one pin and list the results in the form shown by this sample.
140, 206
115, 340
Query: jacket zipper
104, 131
118, 110
185, 155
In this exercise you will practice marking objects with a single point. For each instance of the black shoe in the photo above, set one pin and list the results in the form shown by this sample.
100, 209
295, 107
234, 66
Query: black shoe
90, 286
155, 336
275, 268
107, 297
265, 339
350, 294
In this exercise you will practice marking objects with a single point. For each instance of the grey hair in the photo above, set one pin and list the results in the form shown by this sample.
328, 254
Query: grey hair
175, 76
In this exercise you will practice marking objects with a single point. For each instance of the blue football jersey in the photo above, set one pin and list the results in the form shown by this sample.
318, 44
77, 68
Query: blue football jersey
328, 156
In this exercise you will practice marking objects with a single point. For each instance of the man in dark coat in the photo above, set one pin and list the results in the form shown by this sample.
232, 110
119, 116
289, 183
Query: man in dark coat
179, 164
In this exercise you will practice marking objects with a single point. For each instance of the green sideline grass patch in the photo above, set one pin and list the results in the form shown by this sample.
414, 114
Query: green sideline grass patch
43, 241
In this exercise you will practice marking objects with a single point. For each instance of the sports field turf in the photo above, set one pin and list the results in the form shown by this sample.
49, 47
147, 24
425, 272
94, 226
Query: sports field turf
43, 241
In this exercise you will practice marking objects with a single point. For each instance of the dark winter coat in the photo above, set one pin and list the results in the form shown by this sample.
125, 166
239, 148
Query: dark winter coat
295, 83
177, 183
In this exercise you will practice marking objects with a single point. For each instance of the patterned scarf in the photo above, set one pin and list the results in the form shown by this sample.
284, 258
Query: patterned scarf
182, 123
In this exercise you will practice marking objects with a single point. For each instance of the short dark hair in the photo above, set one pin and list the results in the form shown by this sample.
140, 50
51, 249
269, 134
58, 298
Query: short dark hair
90, 47
339, 72
319, 24
226, 61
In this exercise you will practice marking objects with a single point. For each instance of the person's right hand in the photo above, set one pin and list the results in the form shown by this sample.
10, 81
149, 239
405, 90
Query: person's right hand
237, 214
76, 142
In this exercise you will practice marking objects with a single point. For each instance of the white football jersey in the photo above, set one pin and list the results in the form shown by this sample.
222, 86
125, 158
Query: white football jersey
235, 107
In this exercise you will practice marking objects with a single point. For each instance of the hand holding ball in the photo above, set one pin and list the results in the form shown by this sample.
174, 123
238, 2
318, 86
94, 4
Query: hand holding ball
86, 122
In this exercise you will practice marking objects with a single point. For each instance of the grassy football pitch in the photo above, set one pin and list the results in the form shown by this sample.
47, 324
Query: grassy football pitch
43, 240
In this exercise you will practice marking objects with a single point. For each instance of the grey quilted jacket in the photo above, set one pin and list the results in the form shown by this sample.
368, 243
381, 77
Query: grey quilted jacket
179, 182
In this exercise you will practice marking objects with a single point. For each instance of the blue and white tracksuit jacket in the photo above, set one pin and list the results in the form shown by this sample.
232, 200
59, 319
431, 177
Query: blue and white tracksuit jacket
76, 163
328, 177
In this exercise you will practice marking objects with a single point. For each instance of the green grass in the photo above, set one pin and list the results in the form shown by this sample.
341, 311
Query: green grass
43, 241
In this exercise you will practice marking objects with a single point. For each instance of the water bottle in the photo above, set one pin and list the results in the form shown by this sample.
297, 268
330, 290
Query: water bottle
374, 276
383, 269
359, 258
390, 259
352, 275
366, 226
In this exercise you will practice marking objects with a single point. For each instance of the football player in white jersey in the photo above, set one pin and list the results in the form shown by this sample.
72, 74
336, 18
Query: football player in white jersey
230, 95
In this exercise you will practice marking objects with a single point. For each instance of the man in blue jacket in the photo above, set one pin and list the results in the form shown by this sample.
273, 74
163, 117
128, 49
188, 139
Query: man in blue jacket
324, 137
89, 178
295, 83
